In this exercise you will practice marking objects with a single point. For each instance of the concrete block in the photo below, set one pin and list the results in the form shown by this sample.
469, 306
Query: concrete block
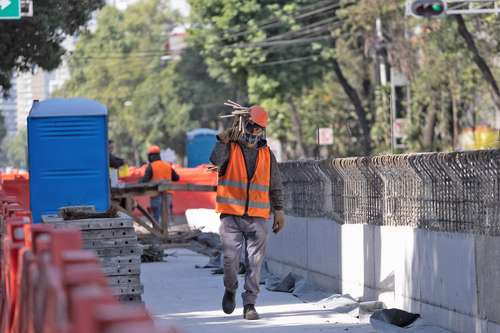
290, 245
446, 270
399, 251
406, 304
391, 242
488, 276
323, 247
493, 327
453, 321
324, 282
353, 260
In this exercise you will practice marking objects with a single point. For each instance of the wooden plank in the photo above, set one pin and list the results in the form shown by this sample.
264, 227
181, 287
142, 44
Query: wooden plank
186, 187
140, 222
151, 219
154, 188
125, 190
164, 214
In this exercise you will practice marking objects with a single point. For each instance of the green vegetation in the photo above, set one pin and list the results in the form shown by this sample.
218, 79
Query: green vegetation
37, 40
150, 100
311, 63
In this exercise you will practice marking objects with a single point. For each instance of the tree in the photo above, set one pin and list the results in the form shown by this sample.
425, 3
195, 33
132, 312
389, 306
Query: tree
120, 65
15, 149
194, 87
278, 49
37, 40
449, 68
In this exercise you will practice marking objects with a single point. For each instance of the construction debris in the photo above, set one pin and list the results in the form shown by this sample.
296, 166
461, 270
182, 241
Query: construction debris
115, 242
152, 253
399, 321
85, 212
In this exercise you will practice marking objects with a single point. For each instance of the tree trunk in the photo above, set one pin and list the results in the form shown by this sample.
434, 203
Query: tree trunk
479, 60
358, 107
428, 131
455, 115
297, 128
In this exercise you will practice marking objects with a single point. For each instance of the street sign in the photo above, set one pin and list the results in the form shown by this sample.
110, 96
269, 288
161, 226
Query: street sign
10, 9
325, 136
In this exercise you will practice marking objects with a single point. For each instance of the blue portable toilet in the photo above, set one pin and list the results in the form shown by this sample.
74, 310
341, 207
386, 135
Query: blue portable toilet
200, 143
67, 155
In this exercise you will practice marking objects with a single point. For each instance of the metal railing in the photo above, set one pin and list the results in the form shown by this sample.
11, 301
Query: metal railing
457, 192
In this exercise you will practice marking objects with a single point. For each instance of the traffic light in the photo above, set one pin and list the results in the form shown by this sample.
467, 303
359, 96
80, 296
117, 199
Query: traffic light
427, 8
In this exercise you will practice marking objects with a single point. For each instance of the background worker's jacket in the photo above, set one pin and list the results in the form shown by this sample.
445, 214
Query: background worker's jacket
221, 155
159, 170
115, 162
237, 193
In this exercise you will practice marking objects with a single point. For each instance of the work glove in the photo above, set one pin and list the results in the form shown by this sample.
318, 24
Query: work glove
279, 220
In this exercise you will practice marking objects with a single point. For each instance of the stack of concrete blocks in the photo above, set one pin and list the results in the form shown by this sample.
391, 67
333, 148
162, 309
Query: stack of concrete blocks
114, 240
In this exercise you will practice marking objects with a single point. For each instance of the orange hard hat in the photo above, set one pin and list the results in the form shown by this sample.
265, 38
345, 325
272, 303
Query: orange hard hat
154, 150
259, 115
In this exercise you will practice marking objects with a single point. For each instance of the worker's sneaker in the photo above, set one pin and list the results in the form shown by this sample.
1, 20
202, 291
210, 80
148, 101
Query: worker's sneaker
228, 302
250, 313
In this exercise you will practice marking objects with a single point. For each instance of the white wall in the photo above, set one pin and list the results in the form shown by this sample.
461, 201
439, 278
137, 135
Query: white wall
451, 279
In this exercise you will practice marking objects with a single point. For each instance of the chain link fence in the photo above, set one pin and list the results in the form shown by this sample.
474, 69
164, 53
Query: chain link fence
457, 192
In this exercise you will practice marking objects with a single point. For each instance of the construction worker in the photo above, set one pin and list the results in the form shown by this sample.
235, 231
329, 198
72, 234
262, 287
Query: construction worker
249, 186
114, 161
158, 170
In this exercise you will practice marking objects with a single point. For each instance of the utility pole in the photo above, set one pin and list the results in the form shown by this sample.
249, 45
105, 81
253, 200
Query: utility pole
381, 52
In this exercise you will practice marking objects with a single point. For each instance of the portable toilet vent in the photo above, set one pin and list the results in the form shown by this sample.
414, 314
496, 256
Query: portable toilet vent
67, 155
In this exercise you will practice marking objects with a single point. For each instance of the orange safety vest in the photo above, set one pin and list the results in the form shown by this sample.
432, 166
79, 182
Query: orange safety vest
161, 170
236, 195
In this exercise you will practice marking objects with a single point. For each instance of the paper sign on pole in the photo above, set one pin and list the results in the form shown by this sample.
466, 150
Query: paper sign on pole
325, 136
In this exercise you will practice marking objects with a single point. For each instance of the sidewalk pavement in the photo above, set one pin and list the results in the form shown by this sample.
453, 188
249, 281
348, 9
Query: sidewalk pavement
178, 294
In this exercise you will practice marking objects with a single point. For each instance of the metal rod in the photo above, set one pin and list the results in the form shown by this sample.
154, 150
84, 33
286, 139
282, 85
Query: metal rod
164, 214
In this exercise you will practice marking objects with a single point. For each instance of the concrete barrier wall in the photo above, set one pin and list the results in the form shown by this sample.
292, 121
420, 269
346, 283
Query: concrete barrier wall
420, 232
451, 279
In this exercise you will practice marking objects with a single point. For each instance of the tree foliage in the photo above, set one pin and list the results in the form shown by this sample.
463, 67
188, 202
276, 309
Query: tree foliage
37, 40
446, 78
310, 63
15, 150
151, 98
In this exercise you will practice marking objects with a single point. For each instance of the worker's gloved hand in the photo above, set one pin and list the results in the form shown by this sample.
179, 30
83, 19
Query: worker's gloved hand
279, 220
225, 135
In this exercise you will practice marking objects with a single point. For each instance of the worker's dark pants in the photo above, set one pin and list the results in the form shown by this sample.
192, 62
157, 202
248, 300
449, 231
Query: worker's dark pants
234, 231
156, 206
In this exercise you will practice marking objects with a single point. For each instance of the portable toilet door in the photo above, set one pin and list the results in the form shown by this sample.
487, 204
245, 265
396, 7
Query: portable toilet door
200, 143
67, 155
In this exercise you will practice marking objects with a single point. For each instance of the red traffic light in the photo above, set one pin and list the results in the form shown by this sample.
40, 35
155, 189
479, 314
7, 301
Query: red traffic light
427, 8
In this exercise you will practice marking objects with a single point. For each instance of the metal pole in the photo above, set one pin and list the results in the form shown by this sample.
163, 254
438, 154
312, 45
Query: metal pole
380, 39
383, 77
317, 143
164, 214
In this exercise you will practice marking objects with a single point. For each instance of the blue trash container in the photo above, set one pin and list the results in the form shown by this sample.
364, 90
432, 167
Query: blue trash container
67, 155
200, 143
